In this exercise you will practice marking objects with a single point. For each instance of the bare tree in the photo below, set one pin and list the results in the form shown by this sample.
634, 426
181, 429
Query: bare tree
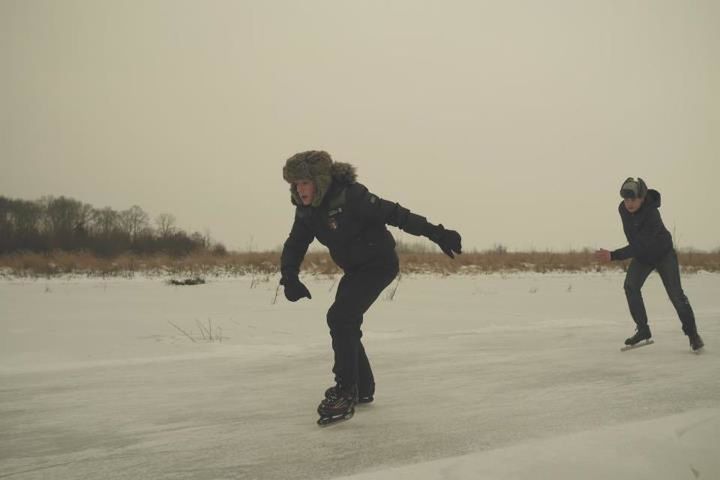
67, 224
106, 221
25, 216
134, 220
166, 224
66, 221
61, 215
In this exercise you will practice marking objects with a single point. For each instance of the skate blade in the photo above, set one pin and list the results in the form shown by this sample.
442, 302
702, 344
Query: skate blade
327, 421
643, 343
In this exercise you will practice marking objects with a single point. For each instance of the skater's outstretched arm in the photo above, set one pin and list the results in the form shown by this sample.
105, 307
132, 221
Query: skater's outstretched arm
376, 209
622, 253
604, 255
293, 253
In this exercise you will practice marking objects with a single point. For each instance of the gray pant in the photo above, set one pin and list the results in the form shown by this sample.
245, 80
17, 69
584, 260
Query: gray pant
669, 271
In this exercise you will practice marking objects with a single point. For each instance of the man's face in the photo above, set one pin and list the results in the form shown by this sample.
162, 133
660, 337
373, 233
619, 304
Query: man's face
306, 191
632, 205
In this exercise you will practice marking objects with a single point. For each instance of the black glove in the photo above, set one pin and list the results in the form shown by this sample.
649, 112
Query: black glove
449, 241
294, 289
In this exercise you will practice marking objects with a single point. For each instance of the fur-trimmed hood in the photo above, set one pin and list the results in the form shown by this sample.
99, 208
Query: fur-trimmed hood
317, 166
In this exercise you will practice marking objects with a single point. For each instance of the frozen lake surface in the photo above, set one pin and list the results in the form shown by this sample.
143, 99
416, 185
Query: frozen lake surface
499, 376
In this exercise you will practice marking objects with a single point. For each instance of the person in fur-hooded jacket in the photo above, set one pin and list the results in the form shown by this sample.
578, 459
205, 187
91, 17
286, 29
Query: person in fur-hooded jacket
332, 207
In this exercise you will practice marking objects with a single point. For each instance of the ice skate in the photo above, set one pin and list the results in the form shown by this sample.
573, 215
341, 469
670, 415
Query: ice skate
362, 398
341, 406
642, 338
696, 343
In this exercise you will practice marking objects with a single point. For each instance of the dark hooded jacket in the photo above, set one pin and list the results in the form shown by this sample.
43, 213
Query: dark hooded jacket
351, 222
648, 239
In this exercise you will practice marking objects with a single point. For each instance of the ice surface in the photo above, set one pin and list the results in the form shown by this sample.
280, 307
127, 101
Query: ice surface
498, 376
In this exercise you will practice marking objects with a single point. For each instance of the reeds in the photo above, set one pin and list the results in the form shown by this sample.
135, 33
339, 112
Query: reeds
267, 263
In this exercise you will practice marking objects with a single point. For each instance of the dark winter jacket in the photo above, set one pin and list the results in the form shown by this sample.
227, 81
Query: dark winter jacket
351, 222
648, 239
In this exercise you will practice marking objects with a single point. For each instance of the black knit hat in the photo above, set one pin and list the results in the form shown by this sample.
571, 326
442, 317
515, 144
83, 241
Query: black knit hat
633, 188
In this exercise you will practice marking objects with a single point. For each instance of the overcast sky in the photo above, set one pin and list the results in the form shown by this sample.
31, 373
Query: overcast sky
514, 122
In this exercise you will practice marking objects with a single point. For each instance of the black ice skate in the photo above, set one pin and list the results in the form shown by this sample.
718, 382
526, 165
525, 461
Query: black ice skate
696, 343
365, 399
333, 392
340, 407
641, 338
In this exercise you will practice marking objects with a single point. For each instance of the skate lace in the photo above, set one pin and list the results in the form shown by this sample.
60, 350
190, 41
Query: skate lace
336, 394
333, 393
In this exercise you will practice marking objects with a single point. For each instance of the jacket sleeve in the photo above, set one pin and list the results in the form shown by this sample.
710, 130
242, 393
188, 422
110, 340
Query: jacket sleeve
375, 209
295, 247
622, 253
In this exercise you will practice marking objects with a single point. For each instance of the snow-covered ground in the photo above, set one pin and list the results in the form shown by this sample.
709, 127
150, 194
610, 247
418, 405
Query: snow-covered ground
500, 376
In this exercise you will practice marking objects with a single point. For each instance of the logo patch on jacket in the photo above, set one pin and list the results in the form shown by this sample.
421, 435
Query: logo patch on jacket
332, 221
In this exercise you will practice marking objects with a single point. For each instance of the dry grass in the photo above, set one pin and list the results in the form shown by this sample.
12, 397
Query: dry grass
253, 263
58, 263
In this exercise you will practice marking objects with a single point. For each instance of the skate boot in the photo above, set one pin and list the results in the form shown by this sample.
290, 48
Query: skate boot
642, 333
367, 398
696, 343
340, 407
363, 397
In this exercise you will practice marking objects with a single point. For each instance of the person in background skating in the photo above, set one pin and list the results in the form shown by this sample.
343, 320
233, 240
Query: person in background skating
351, 222
651, 248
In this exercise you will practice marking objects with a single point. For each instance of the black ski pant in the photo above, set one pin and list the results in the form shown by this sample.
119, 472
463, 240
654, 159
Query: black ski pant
669, 271
357, 291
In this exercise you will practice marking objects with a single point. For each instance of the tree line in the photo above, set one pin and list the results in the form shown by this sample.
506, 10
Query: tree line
62, 223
